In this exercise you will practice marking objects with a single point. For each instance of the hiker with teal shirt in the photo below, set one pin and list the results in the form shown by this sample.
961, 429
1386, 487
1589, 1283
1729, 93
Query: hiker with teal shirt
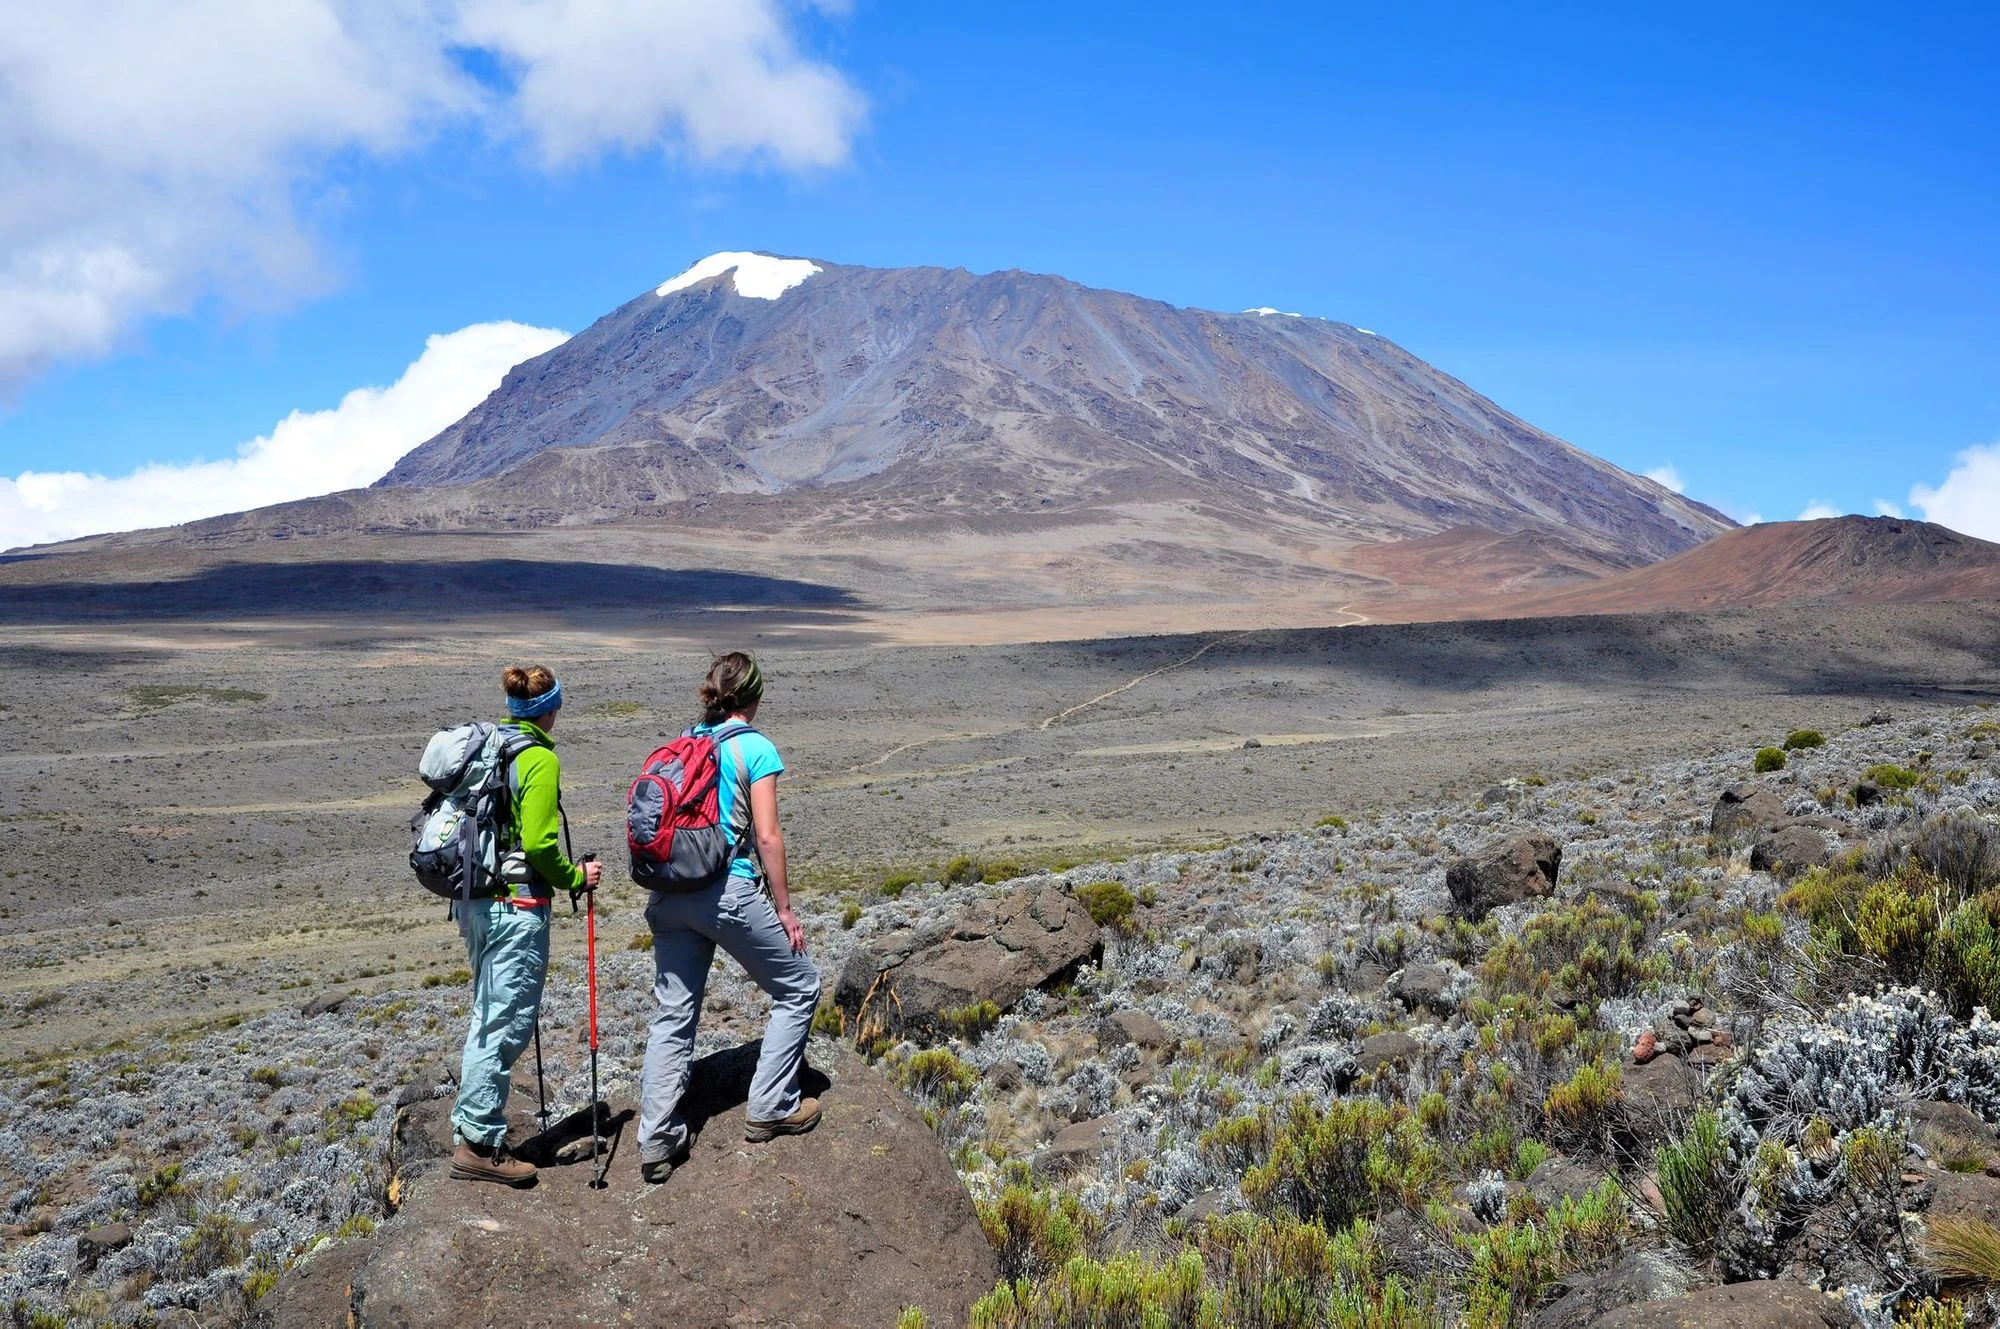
747, 912
506, 932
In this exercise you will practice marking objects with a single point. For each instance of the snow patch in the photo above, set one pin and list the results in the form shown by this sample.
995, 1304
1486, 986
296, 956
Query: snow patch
757, 276
1265, 311
1368, 332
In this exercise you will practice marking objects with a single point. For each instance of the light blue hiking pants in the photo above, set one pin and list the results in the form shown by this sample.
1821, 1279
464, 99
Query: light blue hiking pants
738, 917
507, 948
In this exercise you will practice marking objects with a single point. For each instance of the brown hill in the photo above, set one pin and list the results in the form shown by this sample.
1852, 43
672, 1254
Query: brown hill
1857, 560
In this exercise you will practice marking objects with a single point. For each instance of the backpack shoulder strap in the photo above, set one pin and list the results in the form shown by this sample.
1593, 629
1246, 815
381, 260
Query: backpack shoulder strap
738, 834
514, 742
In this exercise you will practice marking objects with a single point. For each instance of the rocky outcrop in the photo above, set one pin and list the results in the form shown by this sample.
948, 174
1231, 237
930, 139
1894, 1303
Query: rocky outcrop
845, 1226
923, 982
1763, 1305
1787, 850
1745, 809
1521, 867
1643, 1276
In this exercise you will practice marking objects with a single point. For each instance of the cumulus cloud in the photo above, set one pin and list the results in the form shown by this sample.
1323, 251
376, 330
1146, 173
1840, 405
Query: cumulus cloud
1667, 478
308, 453
1884, 508
156, 154
1817, 511
1969, 499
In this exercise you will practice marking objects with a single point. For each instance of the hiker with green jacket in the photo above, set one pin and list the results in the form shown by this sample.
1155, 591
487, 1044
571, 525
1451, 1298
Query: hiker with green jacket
507, 935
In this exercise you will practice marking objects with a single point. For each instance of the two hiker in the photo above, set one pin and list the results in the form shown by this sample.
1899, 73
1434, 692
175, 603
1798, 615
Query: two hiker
737, 899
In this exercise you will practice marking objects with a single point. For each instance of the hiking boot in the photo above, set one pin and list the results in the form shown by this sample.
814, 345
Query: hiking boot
801, 1121
487, 1162
655, 1171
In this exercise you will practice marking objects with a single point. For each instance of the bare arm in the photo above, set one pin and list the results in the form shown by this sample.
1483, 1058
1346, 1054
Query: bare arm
771, 853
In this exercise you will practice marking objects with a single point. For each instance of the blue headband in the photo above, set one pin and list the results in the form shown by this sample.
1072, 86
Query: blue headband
531, 708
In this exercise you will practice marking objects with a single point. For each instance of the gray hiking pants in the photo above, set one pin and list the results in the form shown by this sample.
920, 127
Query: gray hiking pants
738, 917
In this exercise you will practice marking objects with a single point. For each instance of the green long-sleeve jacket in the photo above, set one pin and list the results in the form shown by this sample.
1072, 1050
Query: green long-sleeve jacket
537, 822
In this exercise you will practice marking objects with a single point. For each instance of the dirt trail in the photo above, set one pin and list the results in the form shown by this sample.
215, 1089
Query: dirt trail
1134, 682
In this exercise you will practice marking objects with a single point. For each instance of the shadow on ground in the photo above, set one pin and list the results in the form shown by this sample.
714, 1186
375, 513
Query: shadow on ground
441, 590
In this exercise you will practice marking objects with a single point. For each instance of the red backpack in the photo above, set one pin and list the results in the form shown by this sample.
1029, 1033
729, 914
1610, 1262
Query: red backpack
673, 813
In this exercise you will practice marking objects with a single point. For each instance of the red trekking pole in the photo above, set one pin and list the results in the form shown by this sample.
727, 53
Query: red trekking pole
590, 970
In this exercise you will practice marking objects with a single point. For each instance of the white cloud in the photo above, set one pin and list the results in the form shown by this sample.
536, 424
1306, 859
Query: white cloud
1667, 478
1817, 511
1884, 508
156, 154
1969, 499
308, 453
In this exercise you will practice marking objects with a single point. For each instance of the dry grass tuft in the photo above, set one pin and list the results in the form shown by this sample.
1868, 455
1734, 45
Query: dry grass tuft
1964, 1248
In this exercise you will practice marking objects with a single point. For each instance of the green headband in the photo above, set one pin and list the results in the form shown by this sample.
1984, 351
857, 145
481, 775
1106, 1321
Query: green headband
752, 686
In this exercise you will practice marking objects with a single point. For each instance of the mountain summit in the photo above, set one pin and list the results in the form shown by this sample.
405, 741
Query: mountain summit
923, 394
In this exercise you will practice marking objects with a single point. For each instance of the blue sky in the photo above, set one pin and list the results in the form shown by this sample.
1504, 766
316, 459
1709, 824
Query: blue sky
1757, 249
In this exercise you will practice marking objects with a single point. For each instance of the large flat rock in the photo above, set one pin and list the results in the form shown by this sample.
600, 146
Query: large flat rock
917, 982
844, 1226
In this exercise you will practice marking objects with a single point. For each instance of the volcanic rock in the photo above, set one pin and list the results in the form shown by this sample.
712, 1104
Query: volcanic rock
844, 1226
1745, 808
1790, 849
1642, 1276
914, 981
1132, 1026
1425, 987
1075, 1145
1389, 1049
99, 1242
1759, 1305
1521, 867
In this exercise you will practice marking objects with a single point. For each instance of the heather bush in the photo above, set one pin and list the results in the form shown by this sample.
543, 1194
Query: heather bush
1034, 1230
1334, 1164
1804, 738
1108, 902
1768, 759
1579, 1110
1514, 1262
1588, 949
1888, 775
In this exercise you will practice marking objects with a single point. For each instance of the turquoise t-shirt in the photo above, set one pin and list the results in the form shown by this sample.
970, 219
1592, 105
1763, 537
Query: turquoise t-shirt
760, 756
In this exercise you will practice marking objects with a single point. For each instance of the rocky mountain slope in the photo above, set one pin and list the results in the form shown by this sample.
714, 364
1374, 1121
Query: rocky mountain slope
1015, 392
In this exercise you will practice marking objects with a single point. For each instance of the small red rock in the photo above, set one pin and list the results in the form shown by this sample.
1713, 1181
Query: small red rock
1644, 1050
1724, 1039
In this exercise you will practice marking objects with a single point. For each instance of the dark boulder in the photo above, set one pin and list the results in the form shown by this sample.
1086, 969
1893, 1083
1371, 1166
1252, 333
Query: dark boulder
1964, 1195
1425, 987
1642, 1276
326, 1003
1557, 1178
1132, 1026
1655, 1100
99, 1242
1521, 867
844, 1226
916, 983
1390, 1049
1760, 1305
1076, 1145
1787, 850
1745, 809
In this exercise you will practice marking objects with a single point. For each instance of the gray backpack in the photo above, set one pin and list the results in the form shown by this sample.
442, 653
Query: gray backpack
470, 769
